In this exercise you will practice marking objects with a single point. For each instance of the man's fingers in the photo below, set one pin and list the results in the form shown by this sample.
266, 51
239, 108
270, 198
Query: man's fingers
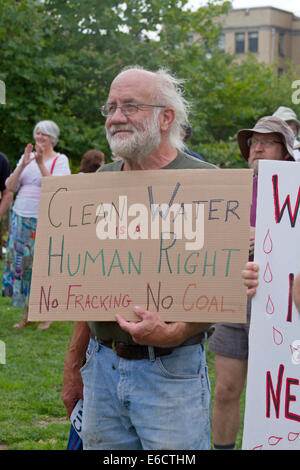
250, 283
249, 275
139, 311
251, 292
122, 322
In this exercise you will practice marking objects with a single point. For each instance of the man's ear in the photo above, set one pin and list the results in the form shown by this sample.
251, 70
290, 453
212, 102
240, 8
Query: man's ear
166, 117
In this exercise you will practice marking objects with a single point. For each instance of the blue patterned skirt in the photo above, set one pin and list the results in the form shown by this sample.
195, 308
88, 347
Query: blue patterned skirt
19, 258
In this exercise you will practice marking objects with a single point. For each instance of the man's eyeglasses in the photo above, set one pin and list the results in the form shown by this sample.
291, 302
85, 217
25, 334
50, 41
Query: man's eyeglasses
127, 108
252, 142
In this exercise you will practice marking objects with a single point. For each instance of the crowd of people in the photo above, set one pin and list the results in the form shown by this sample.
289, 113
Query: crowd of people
145, 384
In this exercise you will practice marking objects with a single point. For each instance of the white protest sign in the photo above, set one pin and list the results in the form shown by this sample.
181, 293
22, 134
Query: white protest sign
272, 415
76, 417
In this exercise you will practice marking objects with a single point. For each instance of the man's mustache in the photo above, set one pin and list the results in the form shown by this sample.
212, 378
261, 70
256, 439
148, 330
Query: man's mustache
121, 127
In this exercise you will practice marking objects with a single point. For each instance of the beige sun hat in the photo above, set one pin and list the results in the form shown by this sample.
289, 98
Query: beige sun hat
267, 125
287, 114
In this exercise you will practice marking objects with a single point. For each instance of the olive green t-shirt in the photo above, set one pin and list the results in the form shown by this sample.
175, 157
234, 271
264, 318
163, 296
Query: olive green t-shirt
107, 331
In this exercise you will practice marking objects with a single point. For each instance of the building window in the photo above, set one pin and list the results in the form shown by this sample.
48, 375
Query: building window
190, 39
253, 41
239, 43
221, 42
280, 44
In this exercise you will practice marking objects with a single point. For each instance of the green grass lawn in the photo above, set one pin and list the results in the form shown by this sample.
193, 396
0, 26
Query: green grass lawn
32, 414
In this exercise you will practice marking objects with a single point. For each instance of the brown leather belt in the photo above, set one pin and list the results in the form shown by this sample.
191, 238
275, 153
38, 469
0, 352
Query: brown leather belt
132, 351
136, 351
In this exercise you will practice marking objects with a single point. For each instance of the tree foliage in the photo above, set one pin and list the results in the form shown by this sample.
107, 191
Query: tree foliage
59, 58
228, 96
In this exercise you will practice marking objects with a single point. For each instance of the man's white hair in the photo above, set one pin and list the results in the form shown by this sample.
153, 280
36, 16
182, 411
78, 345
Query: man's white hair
170, 92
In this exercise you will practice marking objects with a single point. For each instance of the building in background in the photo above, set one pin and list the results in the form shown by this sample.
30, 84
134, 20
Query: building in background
273, 35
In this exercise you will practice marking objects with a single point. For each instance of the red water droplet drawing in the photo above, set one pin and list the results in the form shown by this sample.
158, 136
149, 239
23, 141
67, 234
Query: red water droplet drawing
293, 436
277, 337
268, 276
270, 306
268, 244
274, 440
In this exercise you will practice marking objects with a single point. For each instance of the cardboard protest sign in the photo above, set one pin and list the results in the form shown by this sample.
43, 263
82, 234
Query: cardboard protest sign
171, 241
272, 415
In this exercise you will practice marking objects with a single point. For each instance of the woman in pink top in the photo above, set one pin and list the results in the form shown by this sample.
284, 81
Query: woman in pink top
26, 181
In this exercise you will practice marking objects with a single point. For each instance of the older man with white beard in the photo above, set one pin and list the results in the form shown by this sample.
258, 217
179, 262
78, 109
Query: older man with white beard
145, 382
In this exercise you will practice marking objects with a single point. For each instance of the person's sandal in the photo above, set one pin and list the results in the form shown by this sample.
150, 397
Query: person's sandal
44, 325
22, 323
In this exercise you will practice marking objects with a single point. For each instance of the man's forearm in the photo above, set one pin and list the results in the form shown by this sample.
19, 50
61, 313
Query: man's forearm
72, 382
152, 330
78, 345
188, 330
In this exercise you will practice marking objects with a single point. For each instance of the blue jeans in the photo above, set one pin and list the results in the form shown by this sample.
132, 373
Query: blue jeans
150, 404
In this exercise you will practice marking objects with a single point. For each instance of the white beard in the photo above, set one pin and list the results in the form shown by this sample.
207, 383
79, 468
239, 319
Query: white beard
139, 144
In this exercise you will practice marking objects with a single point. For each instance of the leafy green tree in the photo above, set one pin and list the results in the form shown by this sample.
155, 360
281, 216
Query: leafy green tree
26, 72
228, 96
59, 58
59, 65
111, 35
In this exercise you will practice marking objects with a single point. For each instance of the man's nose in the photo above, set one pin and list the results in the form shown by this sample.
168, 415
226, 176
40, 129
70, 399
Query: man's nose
258, 146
